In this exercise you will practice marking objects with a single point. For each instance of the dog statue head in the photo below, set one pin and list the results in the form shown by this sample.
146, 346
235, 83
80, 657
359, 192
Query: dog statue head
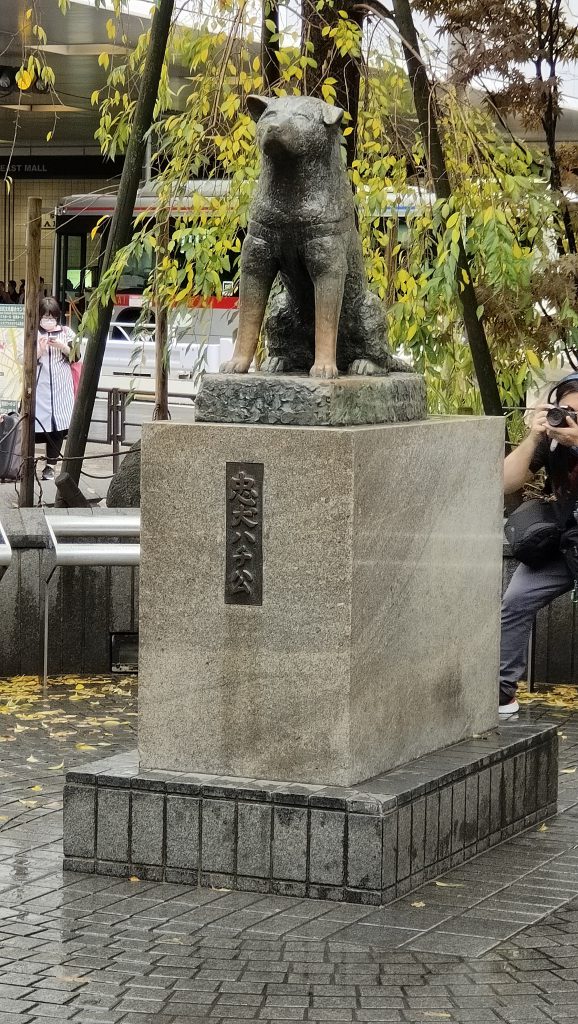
294, 126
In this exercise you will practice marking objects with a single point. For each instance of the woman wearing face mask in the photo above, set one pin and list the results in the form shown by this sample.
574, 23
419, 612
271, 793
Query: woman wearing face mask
54, 386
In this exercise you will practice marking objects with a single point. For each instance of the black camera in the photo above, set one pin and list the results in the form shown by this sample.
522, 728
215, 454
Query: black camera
556, 417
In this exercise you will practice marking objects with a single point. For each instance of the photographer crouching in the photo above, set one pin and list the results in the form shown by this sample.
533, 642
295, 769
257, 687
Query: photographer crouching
543, 534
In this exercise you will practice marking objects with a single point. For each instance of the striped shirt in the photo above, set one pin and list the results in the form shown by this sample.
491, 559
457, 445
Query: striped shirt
54, 387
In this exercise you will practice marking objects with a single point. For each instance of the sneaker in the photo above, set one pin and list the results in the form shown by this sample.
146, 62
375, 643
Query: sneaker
48, 473
511, 708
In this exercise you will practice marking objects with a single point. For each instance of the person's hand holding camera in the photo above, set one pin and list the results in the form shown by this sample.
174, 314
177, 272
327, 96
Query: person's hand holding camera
539, 422
561, 426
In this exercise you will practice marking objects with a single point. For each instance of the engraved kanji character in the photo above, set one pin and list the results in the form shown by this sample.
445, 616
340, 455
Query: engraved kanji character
243, 488
241, 580
242, 555
248, 517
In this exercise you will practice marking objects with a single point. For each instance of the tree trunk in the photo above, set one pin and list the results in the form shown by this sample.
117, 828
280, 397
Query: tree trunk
549, 124
346, 70
32, 296
269, 47
120, 232
426, 113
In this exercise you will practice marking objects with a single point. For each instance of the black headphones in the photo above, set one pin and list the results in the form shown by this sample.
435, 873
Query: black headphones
571, 376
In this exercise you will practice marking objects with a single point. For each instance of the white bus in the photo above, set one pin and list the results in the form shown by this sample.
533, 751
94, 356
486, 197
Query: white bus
204, 325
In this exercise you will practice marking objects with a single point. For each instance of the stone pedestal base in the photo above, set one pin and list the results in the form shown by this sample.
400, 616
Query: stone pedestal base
371, 844
291, 400
377, 637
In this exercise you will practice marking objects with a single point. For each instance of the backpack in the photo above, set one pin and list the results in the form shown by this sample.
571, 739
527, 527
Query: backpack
533, 532
10, 446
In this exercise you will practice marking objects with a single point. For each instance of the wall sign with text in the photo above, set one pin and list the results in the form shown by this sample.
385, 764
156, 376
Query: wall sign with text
11, 356
244, 533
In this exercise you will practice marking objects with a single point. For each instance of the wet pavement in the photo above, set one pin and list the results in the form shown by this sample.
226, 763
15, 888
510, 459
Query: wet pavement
493, 940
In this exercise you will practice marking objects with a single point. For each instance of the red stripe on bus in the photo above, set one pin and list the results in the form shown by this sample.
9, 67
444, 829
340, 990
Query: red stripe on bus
225, 302
211, 302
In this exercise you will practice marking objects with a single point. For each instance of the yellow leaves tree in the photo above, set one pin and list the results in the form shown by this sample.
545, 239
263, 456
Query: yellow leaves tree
500, 206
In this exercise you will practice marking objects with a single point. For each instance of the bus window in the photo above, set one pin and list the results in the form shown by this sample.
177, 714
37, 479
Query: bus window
136, 273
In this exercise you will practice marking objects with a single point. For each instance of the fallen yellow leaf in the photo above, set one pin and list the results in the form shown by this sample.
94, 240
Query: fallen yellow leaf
418, 903
56, 767
32, 759
450, 885
36, 789
28, 803
134, 878
567, 771
543, 828
3, 817
84, 746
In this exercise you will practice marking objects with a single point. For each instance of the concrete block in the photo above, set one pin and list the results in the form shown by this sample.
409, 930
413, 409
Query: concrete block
364, 851
290, 843
471, 820
363, 528
531, 780
484, 804
432, 813
417, 835
254, 839
495, 799
182, 840
458, 816
326, 852
445, 823
113, 815
79, 812
389, 856
519, 787
218, 836
404, 842
147, 827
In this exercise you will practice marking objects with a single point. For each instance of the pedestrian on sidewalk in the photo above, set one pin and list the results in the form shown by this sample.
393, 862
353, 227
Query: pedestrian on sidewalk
555, 450
54, 385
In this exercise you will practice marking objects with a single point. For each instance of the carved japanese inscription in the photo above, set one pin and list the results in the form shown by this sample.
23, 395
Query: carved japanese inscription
244, 533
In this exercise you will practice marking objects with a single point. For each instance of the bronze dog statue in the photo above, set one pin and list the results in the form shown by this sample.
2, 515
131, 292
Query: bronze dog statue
302, 227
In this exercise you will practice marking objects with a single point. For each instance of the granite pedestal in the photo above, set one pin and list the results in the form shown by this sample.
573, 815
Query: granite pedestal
377, 637
270, 733
366, 844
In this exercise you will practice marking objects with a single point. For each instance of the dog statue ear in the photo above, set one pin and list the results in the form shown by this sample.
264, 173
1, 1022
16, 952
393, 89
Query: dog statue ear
332, 115
257, 106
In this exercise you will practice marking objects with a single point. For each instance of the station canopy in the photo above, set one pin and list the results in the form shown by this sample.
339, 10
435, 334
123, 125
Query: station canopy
74, 42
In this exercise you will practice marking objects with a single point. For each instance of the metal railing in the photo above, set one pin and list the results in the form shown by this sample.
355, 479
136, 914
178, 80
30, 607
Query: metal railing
5, 551
120, 429
84, 553
116, 423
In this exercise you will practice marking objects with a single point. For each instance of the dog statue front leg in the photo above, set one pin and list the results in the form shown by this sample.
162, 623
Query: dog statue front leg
328, 298
258, 271
326, 262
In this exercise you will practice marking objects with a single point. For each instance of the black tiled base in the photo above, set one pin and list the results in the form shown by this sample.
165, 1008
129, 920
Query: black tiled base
368, 845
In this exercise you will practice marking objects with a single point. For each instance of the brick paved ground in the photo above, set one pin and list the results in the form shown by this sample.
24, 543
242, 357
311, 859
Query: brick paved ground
496, 942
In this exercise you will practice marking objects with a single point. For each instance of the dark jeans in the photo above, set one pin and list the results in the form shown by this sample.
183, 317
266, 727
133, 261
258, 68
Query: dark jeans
53, 440
529, 590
